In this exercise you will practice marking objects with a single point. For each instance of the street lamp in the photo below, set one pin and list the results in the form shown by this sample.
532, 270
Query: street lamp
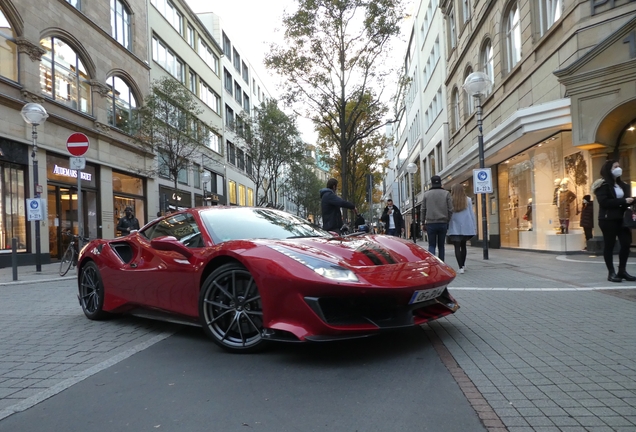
35, 115
478, 84
206, 179
411, 168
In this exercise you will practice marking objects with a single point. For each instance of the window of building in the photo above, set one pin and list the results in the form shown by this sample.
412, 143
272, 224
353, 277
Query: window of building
120, 23
122, 105
248, 166
250, 197
196, 171
208, 56
8, 50
455, 110
242, 195
452, 32
465, 11
240, 126
549, 12
237, 60
431, 159
240, 159
246, 73
246, 103
192, 81
209, 97
513, 36
168, 60
469, 105
227, 81
74, 3
63, 76
229, 117
232, 186
190, 36
231, 153
440, 156
170, 13
182, 176
227, 47
487, 60
162, 161
212, 140
238, 93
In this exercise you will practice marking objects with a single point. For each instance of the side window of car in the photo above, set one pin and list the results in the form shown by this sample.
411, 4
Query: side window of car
182, 226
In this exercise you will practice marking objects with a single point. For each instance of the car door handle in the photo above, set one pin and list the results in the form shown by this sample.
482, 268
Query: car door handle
133, 265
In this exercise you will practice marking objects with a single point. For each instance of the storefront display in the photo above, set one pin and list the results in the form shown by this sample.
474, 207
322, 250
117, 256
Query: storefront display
128, 191
540, 196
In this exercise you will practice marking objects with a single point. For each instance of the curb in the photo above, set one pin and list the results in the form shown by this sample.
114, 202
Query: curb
33, 281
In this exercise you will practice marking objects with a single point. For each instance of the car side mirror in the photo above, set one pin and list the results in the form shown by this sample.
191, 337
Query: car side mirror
169, 243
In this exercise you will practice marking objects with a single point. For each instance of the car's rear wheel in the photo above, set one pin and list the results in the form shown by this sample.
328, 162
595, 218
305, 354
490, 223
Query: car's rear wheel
91, 292
230, 309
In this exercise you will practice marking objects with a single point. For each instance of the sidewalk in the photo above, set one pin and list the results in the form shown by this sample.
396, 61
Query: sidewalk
28, 275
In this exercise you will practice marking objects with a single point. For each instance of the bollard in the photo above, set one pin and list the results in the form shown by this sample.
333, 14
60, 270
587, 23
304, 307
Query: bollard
14, 257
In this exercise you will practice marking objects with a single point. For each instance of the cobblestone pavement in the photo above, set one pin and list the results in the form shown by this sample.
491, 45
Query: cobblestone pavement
543, 338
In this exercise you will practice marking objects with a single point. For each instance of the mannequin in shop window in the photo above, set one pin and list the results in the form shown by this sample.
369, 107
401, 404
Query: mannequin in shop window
555, 198
566, 198
528, 215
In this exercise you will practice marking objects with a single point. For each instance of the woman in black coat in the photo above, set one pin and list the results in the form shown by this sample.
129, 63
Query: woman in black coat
613, 197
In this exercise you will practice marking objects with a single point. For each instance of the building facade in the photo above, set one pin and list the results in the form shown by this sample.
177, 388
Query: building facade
561, 104
87, 65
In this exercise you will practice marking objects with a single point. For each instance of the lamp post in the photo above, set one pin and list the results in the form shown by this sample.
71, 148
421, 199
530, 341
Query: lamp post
206, 179
35, 115
478, 84
411, 168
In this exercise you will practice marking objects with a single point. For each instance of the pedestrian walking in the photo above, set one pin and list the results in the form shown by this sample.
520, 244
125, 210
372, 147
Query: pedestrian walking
330, 205
613, 198
392, 218
462, 226
587, 218
128, 223
437, 208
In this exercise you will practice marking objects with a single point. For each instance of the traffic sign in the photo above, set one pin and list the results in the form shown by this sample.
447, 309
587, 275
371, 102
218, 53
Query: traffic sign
482, 180
78, 163
34, 209
77, 144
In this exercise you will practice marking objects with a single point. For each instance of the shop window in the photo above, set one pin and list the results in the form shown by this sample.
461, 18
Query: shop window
8, 50
63, 76
232, 191
120, 23
122, 105
513, 35
242, 195
250, 197
12, 196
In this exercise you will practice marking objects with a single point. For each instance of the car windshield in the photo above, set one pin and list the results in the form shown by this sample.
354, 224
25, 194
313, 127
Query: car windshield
254, 223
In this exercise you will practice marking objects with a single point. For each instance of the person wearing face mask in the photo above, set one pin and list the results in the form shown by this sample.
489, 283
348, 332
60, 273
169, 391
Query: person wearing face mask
587, 218
128, 223
613, 197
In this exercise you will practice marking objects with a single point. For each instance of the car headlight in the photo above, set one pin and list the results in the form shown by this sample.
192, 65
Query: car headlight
322, 267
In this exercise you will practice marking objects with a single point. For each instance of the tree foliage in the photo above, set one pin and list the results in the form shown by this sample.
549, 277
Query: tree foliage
302, 188
170, 127
332, 61
273, 140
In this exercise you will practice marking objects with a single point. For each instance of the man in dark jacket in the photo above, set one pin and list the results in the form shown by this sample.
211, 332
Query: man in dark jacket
128, 223
392, 219
330, 204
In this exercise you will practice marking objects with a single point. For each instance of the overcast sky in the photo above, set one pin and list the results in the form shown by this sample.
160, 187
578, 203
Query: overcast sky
254, 24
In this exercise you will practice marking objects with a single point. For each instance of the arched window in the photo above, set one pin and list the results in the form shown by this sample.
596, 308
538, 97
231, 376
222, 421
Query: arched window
513, 36
455, 108
120, 23
487, 60
469, 105
8, 50
122, 105
63, 76
549, 13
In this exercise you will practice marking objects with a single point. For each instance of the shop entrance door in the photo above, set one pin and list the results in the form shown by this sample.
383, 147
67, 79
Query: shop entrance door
62, 215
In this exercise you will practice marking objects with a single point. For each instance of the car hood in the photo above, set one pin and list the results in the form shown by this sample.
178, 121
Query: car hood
362, 251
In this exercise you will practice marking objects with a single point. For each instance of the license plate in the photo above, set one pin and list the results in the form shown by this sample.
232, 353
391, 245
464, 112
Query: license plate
424, 295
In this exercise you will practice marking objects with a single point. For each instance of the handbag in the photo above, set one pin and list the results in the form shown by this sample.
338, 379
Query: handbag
629, 218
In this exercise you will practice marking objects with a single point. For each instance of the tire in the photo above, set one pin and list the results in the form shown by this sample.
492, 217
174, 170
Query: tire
231, 311
91, 292
66, 262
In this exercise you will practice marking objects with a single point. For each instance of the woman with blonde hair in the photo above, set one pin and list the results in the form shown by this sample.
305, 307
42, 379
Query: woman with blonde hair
462, 226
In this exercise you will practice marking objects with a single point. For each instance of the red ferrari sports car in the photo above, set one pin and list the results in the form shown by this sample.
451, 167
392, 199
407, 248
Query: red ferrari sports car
251, 275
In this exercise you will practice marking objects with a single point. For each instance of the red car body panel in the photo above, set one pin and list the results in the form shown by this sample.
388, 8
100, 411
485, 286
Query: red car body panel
294, 297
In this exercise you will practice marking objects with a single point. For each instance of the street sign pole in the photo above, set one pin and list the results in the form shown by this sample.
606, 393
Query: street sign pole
80, 213
77, 145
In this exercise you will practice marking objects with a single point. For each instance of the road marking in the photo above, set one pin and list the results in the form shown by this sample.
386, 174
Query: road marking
614, 287
81, 376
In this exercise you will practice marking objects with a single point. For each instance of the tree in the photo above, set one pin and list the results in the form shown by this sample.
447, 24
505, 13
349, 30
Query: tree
273, 141
303, 189
170, 127
331, 61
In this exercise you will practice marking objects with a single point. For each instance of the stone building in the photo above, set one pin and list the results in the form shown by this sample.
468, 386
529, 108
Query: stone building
87, 64
561, 104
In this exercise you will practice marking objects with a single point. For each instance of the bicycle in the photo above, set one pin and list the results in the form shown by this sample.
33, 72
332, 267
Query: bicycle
69, 259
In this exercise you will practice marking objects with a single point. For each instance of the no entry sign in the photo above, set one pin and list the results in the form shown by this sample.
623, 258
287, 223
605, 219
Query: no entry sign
77, 144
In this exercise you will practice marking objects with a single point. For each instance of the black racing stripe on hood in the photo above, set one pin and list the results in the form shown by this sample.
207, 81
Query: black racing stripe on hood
373, 257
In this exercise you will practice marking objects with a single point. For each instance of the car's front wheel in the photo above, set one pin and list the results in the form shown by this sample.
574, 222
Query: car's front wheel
230, 309
91, 292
